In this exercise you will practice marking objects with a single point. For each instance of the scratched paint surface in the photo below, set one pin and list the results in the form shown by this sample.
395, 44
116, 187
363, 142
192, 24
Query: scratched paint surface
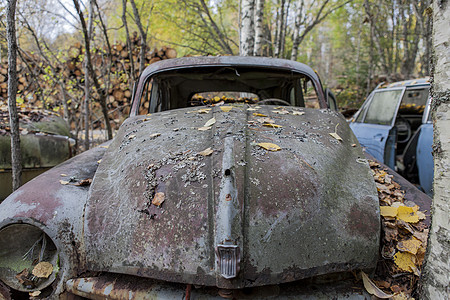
296, 212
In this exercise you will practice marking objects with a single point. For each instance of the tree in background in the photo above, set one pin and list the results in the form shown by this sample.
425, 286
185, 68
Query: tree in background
16, 155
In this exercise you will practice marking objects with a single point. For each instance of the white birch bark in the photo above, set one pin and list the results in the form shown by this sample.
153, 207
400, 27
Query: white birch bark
247, 28
436, 272
259, 30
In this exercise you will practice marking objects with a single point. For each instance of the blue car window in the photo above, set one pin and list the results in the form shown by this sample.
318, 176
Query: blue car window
383, 107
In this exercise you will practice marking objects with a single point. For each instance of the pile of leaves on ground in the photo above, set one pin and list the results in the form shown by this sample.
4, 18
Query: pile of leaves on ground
403, 241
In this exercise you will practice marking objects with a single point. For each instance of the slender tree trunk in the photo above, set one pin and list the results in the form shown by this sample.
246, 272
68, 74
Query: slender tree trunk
143, 37
259, 29
247, 28
280, 25
436, 279
16, 154
284, 30
125, 24
297, 24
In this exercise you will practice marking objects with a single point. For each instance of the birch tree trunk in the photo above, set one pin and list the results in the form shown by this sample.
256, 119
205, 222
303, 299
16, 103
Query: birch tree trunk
16, 155
297, 24
259, 29
436, 278
247, 28
143, 37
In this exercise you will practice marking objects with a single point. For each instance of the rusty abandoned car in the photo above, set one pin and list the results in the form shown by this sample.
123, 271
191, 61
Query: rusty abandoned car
230, 178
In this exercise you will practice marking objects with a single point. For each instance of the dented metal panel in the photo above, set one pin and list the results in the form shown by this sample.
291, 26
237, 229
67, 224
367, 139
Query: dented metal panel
308, 209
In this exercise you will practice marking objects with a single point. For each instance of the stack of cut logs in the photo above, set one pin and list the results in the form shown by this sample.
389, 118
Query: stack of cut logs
37, 84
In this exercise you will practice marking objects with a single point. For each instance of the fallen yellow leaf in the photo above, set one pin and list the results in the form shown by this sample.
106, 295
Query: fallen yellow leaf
388, 211
106, 147
405, 261
155, 135
371, 287
269, 146
204, 128
408, 214
64, 182
265, 120
131, 136
158, 199
281, 112
411, 245
298, 113
259, 115
42, 269
335, 135
210, 122
226, 108
206, 152
272, 125
63, 175
35, 293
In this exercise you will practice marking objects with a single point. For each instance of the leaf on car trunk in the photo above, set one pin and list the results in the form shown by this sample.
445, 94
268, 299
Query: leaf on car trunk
43, 269
206, 152
154, 135
259, 115
269, 146
265, 120
298, 113
372, 289
158, 199
335, 135
281, 112
226, 108
64, 182
272, 125
210, 122
388, 211
84, 182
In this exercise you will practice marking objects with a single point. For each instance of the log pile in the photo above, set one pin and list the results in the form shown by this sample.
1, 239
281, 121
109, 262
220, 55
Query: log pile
39, 85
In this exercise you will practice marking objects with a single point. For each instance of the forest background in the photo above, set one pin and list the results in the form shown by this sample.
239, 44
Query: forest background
353, 45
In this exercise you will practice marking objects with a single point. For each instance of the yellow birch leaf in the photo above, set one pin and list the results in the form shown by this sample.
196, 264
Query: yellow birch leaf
281, 112
388, 211
372, 289
251, 109
43, 269
155, 135
298, 113
411, 245
407, 214
99, 161
269, 146
210, 122
226, 108
265, 120
204, 128
335, 135
272, 125
132, 136
259, 115
405, 261
421, 215
63, 182
63, 175
206, 152
106, 147
158, 199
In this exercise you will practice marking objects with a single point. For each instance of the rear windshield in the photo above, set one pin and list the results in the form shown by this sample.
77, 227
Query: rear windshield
209, 85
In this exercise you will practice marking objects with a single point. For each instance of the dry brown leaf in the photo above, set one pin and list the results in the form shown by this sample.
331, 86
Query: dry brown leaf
43, 269
372, 289
206, 152
84, 182
35, 293
64, 182
158, 199
226, 108
335, 135
269, 146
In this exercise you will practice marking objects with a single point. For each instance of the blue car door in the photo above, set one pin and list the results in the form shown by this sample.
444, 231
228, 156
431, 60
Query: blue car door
374, 124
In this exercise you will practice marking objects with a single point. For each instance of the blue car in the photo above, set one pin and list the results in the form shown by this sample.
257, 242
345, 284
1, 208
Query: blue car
394, 126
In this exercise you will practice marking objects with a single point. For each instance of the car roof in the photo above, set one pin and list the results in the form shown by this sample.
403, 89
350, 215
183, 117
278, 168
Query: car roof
406, 83
235, 61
